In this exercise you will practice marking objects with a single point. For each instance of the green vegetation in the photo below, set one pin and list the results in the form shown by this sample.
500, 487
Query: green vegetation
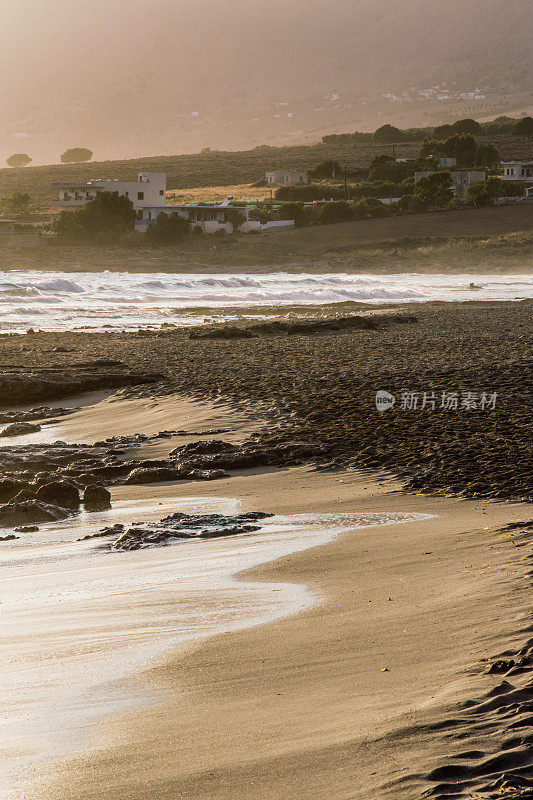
524, 127
18, 160
107, 218
487, 193
501, 126
330, 168
435, 190
16, 204
76, 155
167, 230
388, 134
236, 218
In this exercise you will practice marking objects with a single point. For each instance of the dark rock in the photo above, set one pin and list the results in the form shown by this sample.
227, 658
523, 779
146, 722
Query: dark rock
187, 526
202, 474
204, 447
20, 428
9, 537
9, 488
59, 493
27, 528
31, 511
115, 529
141, 475
96, 498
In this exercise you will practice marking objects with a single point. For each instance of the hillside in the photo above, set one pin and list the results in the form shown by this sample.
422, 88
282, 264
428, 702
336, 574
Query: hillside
123, 77
218, 168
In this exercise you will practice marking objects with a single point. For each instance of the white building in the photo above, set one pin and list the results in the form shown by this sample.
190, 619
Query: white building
210, 219
287, 177
148, 190
521, 172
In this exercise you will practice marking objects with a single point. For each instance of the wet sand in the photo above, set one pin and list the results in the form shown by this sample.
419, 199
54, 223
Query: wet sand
303, 707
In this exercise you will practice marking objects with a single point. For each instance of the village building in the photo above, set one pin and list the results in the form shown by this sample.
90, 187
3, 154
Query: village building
148, 190
287, 177
210, 219
520, 172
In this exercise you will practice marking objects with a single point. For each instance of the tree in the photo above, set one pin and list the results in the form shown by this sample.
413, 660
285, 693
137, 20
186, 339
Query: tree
386, 168
487, 155
388, 134
236, 217
76, 155
326, 169
524, 127
295, 211
435, 190
370, 207
167, 229
109, 216
443, 131
334, 212
467, 126
18, 160
487, 192
465, 150
17, 203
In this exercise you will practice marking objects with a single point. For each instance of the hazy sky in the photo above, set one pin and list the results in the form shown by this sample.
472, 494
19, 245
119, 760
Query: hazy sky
103, 61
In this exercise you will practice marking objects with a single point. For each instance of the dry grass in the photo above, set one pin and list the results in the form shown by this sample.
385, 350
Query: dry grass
245, 192
483, 239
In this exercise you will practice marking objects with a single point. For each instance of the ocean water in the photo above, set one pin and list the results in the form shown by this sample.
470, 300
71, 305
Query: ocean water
99, 301
77, 620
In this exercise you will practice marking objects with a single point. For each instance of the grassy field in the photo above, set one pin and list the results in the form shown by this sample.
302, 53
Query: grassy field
486, 239
219, 168
246, 192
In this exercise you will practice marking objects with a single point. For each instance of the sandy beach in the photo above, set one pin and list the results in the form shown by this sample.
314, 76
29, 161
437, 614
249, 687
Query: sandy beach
303, 707
374, 677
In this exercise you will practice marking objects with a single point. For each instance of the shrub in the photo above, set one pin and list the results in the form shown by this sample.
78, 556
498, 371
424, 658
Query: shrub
295, 211
108, 217
167, 229
338, 211
17, 203
326, 169
524, 127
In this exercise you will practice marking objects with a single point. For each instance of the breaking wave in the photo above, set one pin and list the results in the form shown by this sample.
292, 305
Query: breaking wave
125, 301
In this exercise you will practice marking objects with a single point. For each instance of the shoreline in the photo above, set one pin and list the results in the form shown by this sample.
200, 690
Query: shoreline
223, 662
350, 698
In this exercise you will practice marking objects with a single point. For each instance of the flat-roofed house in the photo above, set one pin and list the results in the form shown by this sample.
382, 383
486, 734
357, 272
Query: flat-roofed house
287, 177
520, 172
210, 219
148, 190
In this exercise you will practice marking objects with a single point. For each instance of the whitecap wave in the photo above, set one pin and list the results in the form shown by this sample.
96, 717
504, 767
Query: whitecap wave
120, 300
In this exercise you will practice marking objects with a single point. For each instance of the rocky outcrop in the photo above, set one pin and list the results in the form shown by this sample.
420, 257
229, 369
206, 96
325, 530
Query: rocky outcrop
304, 327
96, 498
59, 493
20, 429
187, 526
141, 475
29, 512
